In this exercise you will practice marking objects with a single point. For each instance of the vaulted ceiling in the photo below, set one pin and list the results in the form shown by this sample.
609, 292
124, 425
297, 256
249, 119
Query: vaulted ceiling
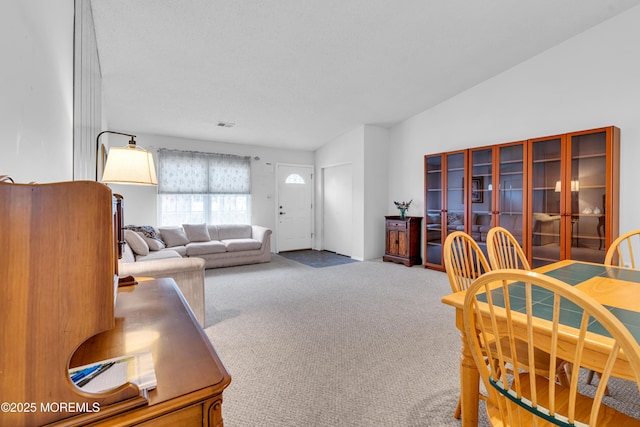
297, 73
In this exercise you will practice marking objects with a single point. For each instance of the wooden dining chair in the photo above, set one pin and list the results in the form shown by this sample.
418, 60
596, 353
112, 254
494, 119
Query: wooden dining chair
504, 250
464, 263
620, 253
499, 304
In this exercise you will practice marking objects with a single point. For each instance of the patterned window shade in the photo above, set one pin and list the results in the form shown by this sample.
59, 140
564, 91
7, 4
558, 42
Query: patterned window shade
189, 172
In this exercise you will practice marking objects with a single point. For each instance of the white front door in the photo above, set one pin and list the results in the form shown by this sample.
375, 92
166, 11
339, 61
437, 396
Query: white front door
294, 207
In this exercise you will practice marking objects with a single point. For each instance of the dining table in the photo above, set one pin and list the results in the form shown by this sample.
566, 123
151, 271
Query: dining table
616, 288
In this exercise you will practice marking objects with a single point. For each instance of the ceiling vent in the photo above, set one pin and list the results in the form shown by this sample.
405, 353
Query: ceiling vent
226, 124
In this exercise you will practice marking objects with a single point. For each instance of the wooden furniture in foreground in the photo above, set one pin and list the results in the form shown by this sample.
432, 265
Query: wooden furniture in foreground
522, 398
191, 378
402, 240
58, 277
615, 287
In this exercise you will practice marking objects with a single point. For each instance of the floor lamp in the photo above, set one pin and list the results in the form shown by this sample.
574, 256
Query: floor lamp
126, 165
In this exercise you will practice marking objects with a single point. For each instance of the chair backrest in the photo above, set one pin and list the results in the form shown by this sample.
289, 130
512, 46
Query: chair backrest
504, 250
500, 304
620, 252
463, 260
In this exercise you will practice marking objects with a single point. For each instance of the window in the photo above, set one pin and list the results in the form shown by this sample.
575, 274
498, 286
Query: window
203, 187
294, 178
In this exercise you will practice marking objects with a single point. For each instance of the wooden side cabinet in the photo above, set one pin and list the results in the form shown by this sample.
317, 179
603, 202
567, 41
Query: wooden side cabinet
403, 240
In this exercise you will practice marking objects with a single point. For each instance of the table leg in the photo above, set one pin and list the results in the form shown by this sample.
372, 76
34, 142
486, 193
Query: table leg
469, 379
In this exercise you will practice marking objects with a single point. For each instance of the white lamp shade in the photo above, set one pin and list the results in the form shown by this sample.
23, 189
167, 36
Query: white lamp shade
129, 165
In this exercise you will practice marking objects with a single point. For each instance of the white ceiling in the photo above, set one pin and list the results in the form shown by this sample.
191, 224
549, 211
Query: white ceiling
297, 73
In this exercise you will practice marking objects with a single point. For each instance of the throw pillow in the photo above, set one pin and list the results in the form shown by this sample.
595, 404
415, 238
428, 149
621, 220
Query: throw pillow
137, 243
153, 243
197, 232
173, 236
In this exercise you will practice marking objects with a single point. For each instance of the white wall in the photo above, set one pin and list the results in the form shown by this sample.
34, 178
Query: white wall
376, 176
590, 81
141, 201
365, 149
36, 90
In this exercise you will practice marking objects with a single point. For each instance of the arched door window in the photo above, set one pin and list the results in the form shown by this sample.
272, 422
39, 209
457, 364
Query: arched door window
294, 178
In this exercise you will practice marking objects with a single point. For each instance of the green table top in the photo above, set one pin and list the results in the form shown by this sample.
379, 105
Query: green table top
570, 314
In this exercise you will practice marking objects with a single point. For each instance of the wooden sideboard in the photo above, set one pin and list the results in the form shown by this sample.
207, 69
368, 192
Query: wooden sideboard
402, 240
191, 378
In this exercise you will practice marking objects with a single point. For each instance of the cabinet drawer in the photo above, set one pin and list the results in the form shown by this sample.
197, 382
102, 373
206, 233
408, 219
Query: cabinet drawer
397, 225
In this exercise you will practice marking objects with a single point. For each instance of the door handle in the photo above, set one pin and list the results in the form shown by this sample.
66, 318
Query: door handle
283, 213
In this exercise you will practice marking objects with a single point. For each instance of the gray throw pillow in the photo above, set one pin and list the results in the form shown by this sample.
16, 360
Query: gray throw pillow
154, 244
197, 232
137, 243
173, 236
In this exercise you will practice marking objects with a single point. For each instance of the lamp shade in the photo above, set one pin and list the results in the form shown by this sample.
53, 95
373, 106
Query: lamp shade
129, 165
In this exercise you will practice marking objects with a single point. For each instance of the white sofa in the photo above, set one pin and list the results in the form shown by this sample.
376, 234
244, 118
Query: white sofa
221, 245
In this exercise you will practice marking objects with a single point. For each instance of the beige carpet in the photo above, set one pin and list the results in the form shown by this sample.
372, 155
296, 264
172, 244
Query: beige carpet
361, 344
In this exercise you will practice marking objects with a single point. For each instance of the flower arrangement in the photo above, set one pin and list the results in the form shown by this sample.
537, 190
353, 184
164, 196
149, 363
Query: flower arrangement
403, 207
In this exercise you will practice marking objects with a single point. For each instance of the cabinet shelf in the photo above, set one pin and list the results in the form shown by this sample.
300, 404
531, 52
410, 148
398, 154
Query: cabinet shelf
510, 162
589, 156
546, 160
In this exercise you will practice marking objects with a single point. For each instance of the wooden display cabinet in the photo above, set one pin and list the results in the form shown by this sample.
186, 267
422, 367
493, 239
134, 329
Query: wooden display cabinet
497, 190
574, 195
446, 193
402, 238
558, 195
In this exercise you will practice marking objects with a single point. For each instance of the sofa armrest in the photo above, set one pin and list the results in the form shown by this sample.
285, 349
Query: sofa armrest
188, 274
260, 233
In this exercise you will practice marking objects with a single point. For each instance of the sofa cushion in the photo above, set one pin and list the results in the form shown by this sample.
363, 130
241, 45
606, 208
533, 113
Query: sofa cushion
182, 250
203, 248
154, 244
136, 242
154, 255
173, 236
234, 231
434, 219
196, 232
237, 245
213, 231
127, 254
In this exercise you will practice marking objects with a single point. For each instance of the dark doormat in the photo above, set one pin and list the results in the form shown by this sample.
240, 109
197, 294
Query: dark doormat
317, 259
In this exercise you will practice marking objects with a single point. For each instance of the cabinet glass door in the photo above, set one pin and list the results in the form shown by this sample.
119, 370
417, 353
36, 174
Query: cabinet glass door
546, 188
455, 201
481, 195
433, 209
588, 195
510, 198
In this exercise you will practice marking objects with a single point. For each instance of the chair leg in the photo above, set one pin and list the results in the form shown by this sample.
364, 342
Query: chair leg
458, 410
590, 379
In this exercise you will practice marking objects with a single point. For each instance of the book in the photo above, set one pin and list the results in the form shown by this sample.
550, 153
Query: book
107, 374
